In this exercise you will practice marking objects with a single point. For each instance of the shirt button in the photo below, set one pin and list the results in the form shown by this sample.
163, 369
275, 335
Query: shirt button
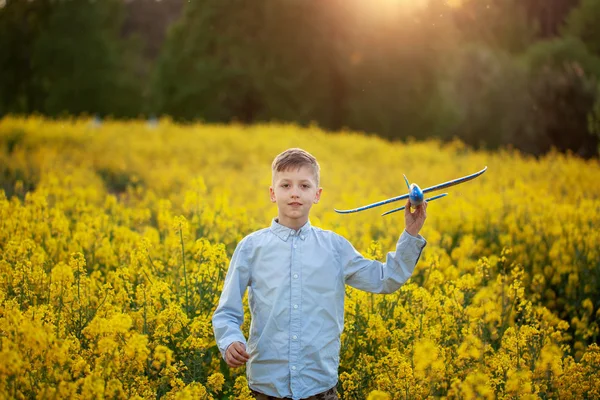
295, 246
294, 337
295, 305
295, 276
302, 237
293, 367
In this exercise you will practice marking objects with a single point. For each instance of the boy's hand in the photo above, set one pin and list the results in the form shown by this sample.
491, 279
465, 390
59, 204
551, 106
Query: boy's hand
236, 355
414, 221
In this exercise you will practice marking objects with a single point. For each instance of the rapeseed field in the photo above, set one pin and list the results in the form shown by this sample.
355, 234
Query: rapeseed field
115, 238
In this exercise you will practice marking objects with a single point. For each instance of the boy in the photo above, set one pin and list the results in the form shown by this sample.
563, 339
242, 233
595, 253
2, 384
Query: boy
296, 275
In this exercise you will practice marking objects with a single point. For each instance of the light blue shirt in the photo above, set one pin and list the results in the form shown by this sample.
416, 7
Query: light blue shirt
296, 297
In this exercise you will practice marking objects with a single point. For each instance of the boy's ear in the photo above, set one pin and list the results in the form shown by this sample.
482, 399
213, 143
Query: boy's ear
272, 194
318, 196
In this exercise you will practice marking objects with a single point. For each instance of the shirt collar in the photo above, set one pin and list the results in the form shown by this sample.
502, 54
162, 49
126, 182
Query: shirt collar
283, 232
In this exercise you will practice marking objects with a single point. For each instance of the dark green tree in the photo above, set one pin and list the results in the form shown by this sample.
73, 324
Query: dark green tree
583, 23
300, 75
80, 62
488, 92
66, 57
21, 24
204, 69
564, 88
499, 24
267, 61
556, 52
548, 15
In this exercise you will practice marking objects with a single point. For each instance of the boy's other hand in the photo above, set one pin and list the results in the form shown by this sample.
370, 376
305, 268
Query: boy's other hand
236, 355
414, 221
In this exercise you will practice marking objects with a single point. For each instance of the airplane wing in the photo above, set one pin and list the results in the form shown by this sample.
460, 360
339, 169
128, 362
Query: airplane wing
454, 182
405, 196
380, 203
439, 196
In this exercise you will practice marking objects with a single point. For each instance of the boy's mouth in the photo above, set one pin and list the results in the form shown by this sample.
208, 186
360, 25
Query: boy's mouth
295, 204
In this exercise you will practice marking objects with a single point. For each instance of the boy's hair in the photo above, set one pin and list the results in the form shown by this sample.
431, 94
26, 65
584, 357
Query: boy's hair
295, 158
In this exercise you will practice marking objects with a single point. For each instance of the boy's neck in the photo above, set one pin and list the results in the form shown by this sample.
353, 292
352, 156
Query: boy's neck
294, 224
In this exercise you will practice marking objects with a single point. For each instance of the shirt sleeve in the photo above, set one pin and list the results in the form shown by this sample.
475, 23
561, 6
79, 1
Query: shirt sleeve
229, 314
375, 276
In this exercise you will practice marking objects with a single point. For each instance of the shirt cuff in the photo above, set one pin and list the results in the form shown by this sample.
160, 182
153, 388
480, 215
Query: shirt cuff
229, 342
417, 243
418, 239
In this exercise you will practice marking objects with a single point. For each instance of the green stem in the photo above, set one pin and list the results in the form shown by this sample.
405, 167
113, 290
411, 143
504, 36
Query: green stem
145, 328
187, 301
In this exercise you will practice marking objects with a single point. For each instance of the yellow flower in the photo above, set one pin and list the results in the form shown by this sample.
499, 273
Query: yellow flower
378, 395
241, 389
215, 382
94, 301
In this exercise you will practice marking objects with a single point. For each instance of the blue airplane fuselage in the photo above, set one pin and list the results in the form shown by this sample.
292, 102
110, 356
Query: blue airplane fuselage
415, 194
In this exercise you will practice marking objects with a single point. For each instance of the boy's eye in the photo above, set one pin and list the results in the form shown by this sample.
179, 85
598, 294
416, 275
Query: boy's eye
285, 185
305, 186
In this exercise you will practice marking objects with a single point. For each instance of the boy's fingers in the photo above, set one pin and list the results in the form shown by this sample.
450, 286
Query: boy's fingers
241, 349
236, 356
231, 356
229, 360
232, 362
238, 353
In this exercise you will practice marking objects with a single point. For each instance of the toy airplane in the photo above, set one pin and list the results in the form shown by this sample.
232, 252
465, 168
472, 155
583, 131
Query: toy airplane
415, 194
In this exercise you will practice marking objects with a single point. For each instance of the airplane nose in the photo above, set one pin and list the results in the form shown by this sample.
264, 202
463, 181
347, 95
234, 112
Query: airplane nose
416, 195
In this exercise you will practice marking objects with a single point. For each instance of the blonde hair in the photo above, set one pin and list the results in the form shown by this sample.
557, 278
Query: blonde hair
295, 158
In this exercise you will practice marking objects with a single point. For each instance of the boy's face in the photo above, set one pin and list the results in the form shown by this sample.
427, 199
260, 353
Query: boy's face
295, 191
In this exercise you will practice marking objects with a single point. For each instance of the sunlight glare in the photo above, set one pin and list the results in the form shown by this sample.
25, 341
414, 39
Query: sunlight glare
454, 3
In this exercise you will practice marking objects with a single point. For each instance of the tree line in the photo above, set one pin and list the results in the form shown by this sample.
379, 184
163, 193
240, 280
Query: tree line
494, 73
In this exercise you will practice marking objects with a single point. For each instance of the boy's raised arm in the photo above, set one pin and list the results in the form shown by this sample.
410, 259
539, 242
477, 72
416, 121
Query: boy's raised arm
229, 314
375, 276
